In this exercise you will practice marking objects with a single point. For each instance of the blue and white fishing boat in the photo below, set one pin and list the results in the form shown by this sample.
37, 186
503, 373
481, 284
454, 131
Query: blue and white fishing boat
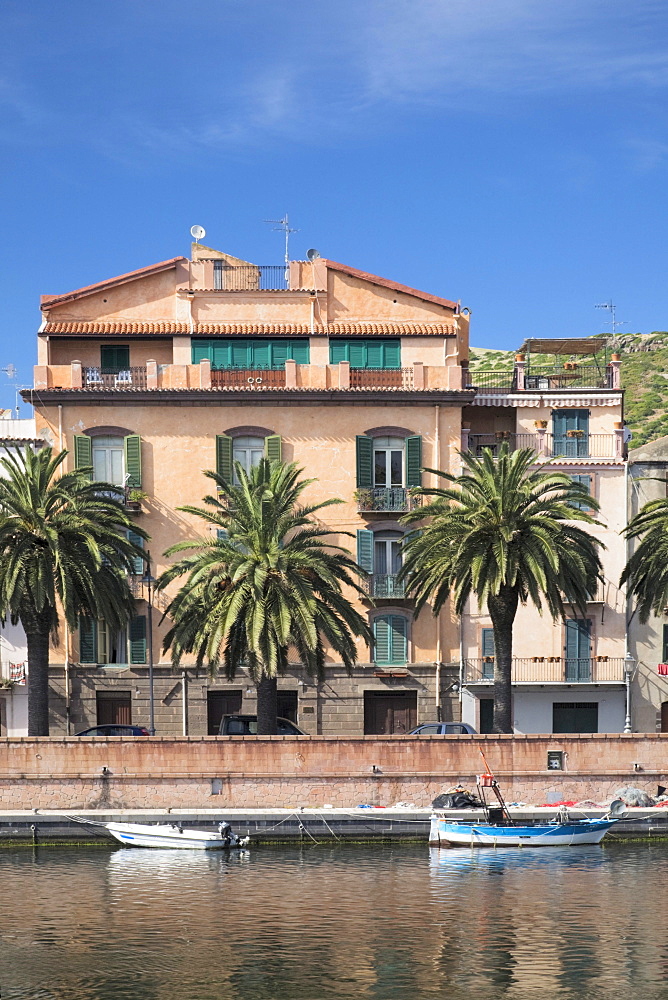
498, 829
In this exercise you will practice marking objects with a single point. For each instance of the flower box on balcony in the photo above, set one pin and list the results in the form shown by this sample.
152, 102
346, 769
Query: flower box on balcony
488, 659
540, 424
570, 365
537, 659
575, 434
502, 435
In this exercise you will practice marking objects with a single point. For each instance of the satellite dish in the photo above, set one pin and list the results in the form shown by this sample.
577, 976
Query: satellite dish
198, 233
312, 255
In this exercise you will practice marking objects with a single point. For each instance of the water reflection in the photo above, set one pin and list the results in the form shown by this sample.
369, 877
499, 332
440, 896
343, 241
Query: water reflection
383, 923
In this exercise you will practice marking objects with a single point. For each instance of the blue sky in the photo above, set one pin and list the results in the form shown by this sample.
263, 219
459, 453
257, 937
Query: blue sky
509, 153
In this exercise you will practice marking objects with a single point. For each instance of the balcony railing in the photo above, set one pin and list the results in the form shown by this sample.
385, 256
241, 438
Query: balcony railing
250, 277
576, 377
384, 586
381, 378
549, 670
547, 445
492, 380
248, 378
114, 378
394, 500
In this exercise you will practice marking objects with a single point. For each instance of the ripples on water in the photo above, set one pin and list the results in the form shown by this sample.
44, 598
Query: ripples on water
400, 923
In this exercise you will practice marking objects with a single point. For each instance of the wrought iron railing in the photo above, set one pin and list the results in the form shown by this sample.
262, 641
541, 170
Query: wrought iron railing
492, 380
248, 378
549, 670
393, 500
250, 277
381, 378
383, 585
568, 445
574, 376
114, 378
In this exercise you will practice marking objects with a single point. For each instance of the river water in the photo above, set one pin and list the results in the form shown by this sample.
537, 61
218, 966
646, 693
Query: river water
323, 923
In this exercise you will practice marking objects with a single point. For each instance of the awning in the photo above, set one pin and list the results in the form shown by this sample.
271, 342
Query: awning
565, 345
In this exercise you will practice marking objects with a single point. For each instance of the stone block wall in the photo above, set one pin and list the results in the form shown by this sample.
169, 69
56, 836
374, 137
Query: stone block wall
289, 772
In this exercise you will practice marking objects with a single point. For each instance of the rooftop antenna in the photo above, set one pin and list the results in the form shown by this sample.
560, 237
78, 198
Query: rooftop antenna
614, 322
283, 226
198, 233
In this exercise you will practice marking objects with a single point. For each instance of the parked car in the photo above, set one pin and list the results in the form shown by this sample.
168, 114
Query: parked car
444, 729
115, 731
246, 725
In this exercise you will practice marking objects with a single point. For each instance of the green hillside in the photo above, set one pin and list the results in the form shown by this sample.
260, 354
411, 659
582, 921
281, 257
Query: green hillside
644, 378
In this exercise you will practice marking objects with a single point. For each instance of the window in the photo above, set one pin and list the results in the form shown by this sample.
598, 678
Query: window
247, 450
390, 634
387, 553
376, 352
115, 460
586, 482
488, 653
578, 649
575, 717
114, 359
100, 644
388, 462
380, 555
240, 352
570, 430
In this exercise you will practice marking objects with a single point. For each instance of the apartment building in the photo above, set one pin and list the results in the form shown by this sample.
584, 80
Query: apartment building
562, 399
648, 642
15, 434
192, 364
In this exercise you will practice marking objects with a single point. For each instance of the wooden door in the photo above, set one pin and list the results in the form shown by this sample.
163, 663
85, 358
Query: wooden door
114, 708
391, 713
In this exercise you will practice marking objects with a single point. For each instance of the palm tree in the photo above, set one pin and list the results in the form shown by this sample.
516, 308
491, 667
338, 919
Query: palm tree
63, 544
646, 572
267, 583
503, 533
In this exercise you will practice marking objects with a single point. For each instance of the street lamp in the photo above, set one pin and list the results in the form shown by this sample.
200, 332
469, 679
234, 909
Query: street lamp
629, 666
149, 582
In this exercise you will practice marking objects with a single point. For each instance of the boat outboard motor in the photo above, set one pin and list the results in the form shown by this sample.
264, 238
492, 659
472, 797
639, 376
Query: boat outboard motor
225, 831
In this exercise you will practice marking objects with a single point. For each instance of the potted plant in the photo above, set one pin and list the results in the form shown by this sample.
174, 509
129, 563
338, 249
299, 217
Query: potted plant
575, 434
502, 435
364, 499
540, 424
134, 497
6, 684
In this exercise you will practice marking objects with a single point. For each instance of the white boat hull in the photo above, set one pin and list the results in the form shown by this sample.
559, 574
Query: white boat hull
448, 833
167, 835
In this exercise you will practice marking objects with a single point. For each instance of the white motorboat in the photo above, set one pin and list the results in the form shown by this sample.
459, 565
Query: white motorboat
175, 835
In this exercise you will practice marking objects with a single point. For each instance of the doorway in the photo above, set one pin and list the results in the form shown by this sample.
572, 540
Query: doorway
114, 708
664, 717
575, 717
287, 702
486, 715
389, 713
218, 704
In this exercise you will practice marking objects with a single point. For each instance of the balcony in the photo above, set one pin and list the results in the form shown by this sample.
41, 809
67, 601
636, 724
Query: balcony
532, 378
578, 446
549, 670
249, 277
113, 378
396, 500
492, 380
384, 586
381, 378
248, 378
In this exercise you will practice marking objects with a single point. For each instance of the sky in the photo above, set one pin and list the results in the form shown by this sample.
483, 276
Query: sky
510, 154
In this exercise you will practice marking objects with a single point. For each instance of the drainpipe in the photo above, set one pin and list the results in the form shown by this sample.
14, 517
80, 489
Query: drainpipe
184, 701
312, 321
68, 704
60, 426
437, 465
627, 620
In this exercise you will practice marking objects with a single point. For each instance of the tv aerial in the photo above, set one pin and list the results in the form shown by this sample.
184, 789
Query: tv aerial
283, 226
9, 370
198, 233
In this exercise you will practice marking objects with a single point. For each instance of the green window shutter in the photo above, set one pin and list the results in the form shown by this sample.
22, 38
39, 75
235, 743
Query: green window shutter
300, 351
221, 354
392, 353
364, 461
224, 456
414, 461
398, 639
221, 534
488, 642
115, 358
138, 562
133, 461
87, 640
375, 355
240, 354
83, 452
357, 354
584, 481
201, 350
338, 351
280, 352
381, 635
365, 550
272, 447
138, 639
260, 353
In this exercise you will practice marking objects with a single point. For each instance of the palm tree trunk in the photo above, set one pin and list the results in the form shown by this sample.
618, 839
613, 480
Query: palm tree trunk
502, 609
37, 636
267, 705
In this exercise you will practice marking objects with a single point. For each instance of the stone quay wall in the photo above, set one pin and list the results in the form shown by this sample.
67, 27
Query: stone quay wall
311, 771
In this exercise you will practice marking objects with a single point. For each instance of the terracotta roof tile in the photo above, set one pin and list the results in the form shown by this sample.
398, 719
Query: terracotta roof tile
83, 328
